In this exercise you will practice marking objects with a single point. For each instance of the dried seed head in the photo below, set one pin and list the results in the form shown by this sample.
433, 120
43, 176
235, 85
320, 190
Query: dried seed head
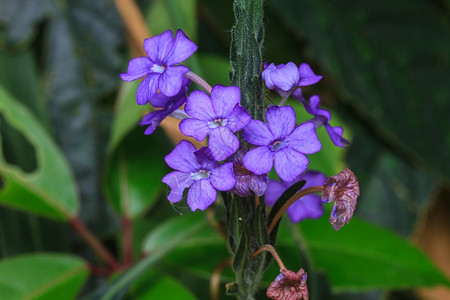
289, 286
343, 189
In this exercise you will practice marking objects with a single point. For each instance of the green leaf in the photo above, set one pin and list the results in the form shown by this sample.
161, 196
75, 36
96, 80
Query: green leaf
166, 288
50, 190
172, 232
158, 243
376, 52
134, 168
41, 276
363, 256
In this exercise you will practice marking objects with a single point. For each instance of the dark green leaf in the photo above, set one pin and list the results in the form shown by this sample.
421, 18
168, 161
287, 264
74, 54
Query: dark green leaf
41, 276
376, 51
50, 190
362, 256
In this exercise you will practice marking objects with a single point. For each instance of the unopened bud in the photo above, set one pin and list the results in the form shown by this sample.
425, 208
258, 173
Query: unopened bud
343, 189
289, 286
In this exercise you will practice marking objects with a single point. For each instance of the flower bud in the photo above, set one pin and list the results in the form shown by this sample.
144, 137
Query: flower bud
289, 286
343, 189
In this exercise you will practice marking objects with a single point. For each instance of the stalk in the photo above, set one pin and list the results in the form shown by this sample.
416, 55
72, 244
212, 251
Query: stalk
246, 217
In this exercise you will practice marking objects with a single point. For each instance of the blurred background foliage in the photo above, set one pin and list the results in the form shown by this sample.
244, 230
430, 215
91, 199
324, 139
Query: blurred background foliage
71, 150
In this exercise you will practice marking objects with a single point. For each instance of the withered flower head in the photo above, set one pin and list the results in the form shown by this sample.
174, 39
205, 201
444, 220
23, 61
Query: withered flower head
343, 189
289, 286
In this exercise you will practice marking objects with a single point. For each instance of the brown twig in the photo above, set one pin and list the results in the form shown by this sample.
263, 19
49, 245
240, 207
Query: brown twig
99, 249
215, 278
127, 241
298, 195
274, 253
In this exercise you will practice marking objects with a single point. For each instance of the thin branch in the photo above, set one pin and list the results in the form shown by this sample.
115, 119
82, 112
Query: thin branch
298, 195
99, 249
274, 253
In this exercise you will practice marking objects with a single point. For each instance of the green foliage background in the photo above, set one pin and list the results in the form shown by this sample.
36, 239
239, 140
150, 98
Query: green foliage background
70, 146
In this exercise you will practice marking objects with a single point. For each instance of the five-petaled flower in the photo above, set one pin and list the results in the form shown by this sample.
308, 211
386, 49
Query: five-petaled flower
280, 143
160, 69
322, 117
309, 206
198, 171
219, 116
285, 78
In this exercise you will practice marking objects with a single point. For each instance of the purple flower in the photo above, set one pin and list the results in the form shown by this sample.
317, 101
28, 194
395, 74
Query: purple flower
168, 105
309, 206
164, 52
322, 117
285, 78
198, 171
280, 142
247, 181
219, 116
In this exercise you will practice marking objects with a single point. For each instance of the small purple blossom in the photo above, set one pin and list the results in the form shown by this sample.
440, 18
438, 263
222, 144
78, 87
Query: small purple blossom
280, 143
168, 105
247, 181
286, 78
159, 68
322, 117
219, 116
198, 171
309, 206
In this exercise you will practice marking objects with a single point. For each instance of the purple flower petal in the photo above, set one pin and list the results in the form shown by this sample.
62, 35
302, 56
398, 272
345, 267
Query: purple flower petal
285, 78
172, 80
198, 105
257, 133
177, 181
274, 191
182, 158
137, 67
182, 48
266, 75
224, 99
304, 139
307, 76
222, 178
201, 195
222, 143
281, 120
336, 137
309, 206
206, 159
147, 89
196, 128
238, 118
158, 47
290, 163
259, 160
159, 100
314, 109
153, 119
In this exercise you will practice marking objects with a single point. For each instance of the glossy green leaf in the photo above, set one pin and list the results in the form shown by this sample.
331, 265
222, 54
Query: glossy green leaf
387, 57
160, 242
172, 232
135, 162
363, 256
166, 288
41, 276
50, 190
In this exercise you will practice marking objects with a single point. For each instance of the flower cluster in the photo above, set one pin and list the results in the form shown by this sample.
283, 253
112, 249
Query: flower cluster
238, 166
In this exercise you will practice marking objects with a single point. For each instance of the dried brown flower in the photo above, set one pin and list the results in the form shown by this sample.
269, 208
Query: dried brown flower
289, 286
343, 189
